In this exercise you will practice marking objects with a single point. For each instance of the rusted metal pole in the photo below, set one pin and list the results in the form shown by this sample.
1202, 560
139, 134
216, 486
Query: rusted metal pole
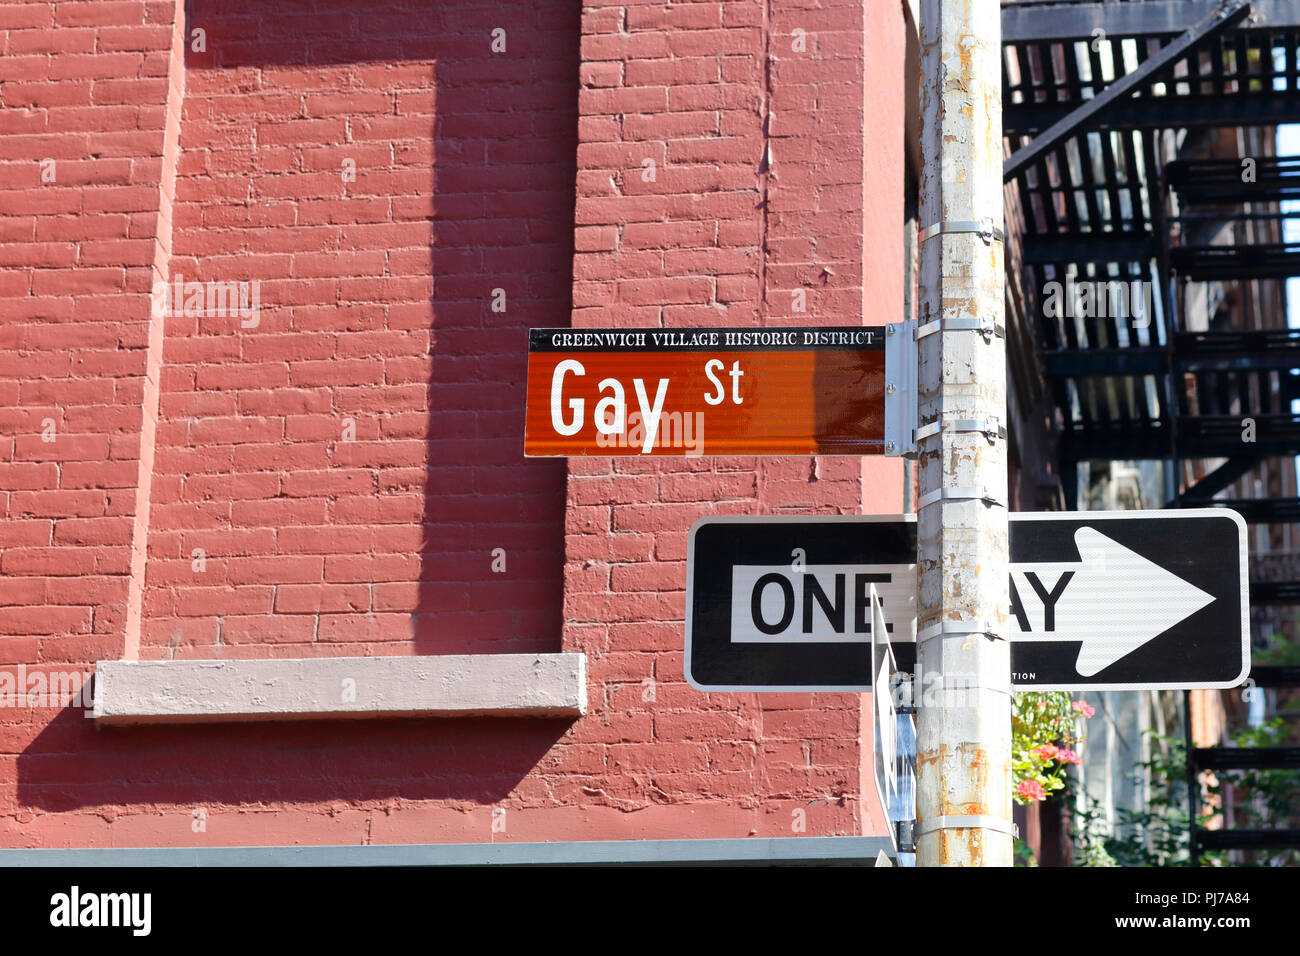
964, 719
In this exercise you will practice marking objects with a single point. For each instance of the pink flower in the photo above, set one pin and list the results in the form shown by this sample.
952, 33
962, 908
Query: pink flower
1082, 707
1047, 751
1066, 755
1032, 790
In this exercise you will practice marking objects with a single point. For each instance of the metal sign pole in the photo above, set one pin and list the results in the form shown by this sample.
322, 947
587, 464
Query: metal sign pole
964, 721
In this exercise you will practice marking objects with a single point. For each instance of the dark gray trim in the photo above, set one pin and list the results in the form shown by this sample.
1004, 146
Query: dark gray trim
1276, 675
1163, 112
787, 851
1247, 839
1255, 510
1246, 758
1275, 592
1081, 363
1053, 249
1199, 436
1030, 23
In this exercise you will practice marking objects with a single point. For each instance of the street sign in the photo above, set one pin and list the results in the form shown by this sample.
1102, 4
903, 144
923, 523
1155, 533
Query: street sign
894, 735
784, 603
715, 391
1120, 600
1150, 599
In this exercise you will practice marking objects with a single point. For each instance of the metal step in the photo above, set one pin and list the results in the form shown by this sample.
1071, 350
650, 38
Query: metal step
1258, 261
1245, 758
1272, 178
1246, 839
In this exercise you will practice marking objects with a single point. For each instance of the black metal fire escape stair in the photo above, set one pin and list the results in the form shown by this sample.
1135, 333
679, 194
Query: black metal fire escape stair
1090, 89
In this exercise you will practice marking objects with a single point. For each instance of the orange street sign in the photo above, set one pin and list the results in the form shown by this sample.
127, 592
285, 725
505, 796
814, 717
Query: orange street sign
778, 391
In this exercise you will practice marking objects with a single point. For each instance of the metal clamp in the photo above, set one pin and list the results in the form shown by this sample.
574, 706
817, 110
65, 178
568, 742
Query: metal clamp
991, 428
905, 832
986, 228
960, 494
901, 689
968, 821
942, 628
985, 326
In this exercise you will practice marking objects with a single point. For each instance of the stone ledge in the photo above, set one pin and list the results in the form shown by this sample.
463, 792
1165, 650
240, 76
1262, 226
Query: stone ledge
456, 685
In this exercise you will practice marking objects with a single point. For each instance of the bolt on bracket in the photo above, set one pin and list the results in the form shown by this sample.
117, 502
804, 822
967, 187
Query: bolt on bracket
901, 358
905, 831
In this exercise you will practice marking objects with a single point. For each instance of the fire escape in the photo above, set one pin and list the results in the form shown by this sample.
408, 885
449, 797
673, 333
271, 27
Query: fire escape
1141, 147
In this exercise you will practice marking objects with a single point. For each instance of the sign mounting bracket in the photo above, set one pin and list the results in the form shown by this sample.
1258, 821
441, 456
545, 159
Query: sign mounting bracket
901, 359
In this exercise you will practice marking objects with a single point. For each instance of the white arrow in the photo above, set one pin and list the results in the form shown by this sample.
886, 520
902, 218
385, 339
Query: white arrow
1112, 599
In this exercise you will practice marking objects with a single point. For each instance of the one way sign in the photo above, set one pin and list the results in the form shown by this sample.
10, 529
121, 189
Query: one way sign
1103, 600
1129, 599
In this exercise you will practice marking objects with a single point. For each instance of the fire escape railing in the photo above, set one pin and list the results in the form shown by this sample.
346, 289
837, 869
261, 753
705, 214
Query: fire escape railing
1092, 91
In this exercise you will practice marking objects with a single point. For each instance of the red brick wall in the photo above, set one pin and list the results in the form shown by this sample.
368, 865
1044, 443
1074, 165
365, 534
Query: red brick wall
270, 533
84, 234
751, 115
376, 326
90, 116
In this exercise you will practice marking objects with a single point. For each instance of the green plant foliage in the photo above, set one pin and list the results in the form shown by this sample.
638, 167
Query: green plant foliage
1044, 730
1024, 854
1280, 652
1155, 835
1159, 833
1261, 799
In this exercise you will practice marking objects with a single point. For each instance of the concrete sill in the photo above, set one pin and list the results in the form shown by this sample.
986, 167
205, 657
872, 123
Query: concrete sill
457, 685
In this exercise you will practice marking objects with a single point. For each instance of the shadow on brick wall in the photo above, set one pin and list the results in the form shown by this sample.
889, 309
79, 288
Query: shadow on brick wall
498, 206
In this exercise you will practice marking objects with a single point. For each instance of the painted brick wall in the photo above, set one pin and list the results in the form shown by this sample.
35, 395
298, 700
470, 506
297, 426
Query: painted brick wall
722, 168
274, 529
90, 96
89, 105
343, 471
